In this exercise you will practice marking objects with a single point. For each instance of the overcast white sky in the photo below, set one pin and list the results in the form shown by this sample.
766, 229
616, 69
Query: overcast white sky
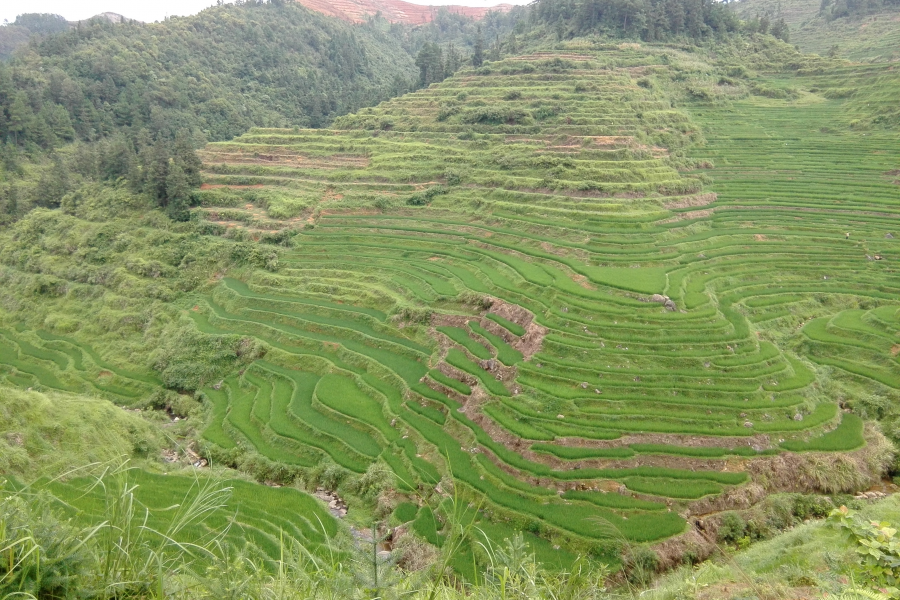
154, 10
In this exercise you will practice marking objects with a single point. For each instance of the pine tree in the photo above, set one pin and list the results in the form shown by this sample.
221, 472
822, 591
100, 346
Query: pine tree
495, 50
781, 31
12, 200
186, 156
20, 116
157, 171
423, 61
436, 69
178, 192
478, 55
512, 44
453, 60
430, 61
9, 158
54, 184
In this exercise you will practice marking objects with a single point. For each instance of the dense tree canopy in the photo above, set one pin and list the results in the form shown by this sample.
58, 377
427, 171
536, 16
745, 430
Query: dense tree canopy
214, 74
651, 20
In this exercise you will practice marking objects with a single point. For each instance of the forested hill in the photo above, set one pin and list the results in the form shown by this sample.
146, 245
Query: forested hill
102, 101
213, 75
216, 74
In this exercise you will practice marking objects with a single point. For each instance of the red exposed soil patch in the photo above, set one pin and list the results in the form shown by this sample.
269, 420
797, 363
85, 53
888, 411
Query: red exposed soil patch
331, 196
895, 350
583, 282
103, 374
395, 11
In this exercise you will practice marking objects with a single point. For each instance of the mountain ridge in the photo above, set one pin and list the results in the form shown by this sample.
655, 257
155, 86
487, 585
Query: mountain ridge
395, 11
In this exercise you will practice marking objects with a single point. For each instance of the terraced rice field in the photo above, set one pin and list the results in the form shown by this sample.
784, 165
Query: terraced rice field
515, 280
469, 292
39, 358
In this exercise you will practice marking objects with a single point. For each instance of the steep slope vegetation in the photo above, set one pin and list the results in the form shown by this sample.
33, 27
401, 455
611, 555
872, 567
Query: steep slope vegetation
859, 31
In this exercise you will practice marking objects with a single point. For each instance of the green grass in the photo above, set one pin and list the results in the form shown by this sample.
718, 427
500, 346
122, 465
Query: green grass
514, 328
48, 433
848, 435
426, 526
459, 360
505, 353
672, 488
461, 337
260, 513
405, 512
454, 384
573, 453
344, 395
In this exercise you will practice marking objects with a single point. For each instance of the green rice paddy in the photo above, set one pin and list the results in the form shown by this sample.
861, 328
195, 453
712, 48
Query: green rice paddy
264, 516
610, 285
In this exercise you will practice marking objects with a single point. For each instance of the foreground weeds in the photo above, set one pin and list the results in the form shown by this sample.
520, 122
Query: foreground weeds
121, 556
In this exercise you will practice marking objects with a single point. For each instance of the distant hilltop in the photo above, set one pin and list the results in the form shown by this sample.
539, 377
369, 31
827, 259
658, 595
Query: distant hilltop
110, 16
395, 11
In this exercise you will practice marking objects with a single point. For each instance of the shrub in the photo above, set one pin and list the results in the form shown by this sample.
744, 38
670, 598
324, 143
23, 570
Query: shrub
370, 484
640, 564
545, 112
330, 476
877, 548
494, 115
446, 111
423, 198
44, 557
732, 528
808, 506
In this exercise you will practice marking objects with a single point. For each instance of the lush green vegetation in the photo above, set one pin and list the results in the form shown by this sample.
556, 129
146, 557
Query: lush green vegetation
588, 291
310, 558
860, 31
213, 75
426, 209
55, 432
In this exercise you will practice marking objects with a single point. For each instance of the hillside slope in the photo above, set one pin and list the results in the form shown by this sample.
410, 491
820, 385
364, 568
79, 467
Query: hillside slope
867, 36
602, 291
395, 11
561, 214
213, 74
